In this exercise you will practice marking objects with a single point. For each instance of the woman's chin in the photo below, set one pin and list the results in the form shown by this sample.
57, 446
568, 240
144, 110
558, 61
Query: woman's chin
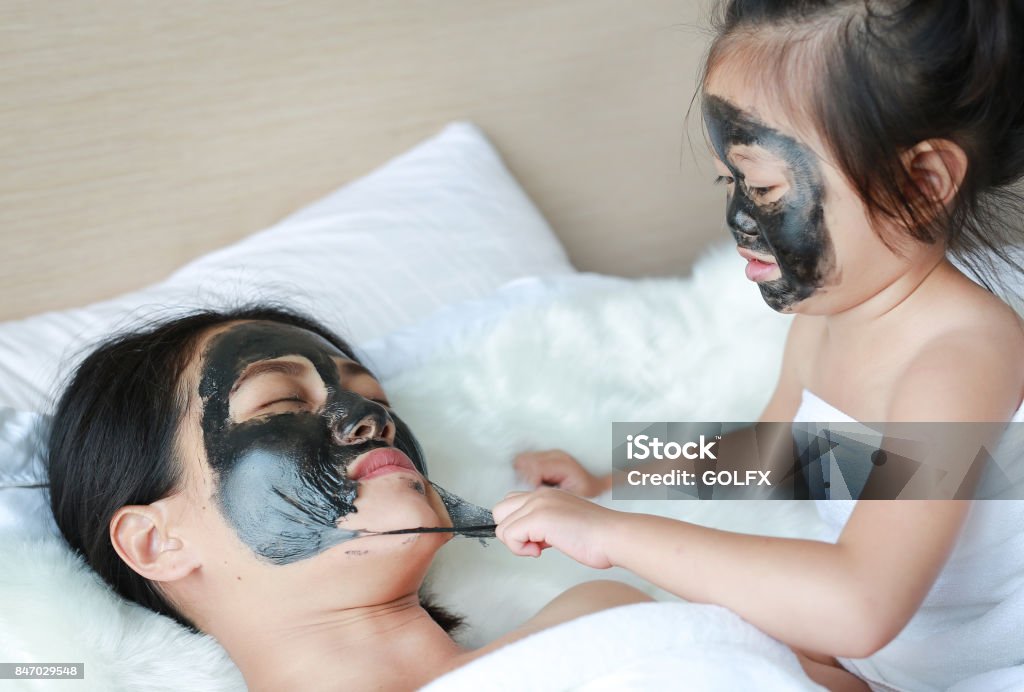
395, 502
382, 549
379, 517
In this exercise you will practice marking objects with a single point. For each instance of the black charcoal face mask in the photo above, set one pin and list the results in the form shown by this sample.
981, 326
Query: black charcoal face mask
791, 229
281, 481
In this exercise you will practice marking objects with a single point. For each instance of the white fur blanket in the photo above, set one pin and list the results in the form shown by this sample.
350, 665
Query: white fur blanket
549, 374
556, 375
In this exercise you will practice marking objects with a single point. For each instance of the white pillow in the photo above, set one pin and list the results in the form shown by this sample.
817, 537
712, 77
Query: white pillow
24, 503
441, 223
442, 332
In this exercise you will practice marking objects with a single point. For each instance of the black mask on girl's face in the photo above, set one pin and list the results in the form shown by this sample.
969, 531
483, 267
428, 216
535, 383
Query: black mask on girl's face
792, 228
282, 480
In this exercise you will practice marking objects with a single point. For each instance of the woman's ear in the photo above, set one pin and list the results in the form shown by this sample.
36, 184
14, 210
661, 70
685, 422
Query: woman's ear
936, 168
144, 538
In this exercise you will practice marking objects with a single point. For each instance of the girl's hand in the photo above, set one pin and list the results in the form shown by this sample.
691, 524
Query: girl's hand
549, 518
556, 468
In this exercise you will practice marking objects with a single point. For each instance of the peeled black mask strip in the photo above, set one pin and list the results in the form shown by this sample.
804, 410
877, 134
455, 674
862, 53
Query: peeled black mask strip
282, 480
484, 531
791, 229
467, 519
466, 514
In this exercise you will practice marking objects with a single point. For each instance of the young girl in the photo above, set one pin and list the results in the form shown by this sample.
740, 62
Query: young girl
860, 142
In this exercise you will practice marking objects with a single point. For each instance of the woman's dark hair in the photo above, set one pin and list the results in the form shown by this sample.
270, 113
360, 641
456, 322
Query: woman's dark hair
876, 77
112, 438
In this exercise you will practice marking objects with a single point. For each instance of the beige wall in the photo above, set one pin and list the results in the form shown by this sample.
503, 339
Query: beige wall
137, 135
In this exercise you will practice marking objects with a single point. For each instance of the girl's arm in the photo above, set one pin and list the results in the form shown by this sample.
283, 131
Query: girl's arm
844, 599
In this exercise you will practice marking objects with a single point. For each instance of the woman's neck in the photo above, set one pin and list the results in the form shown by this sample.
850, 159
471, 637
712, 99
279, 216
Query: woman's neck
393, 645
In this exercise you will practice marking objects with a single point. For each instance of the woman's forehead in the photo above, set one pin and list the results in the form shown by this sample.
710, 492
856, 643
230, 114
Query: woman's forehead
259, 336
228, 350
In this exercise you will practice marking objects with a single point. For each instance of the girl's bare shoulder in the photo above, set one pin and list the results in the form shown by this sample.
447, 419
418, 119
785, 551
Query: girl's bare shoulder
970, 317
967, 358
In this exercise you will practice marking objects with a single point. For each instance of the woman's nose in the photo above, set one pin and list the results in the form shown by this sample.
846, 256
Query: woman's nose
370, 422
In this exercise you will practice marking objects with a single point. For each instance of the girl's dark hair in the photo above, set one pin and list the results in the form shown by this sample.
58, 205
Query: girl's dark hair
876, 77
112, 439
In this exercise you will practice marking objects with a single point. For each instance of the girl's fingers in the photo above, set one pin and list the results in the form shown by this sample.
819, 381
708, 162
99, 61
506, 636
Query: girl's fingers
526, 471
536, 473
551, 468
513, 501
523, 522
508, 520
521, 537
506, 514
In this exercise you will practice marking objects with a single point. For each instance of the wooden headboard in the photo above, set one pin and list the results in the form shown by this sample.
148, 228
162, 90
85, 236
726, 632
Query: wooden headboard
138, 135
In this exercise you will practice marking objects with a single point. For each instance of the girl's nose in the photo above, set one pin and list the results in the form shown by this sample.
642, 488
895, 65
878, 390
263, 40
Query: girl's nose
742, 222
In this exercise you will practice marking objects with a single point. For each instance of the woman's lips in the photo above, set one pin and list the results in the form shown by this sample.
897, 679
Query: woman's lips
759, 268
380, 462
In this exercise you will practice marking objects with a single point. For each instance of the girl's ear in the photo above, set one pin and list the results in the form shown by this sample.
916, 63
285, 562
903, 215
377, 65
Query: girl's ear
144, 538
936, 168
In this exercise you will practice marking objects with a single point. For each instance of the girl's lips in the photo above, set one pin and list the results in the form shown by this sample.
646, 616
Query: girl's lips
762, 271
759, 267
380, 462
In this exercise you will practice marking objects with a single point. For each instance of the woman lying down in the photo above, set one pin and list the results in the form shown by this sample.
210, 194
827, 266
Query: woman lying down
243, 474
239, 472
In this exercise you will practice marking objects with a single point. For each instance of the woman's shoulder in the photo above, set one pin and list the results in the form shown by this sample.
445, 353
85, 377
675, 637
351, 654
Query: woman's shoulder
582, 599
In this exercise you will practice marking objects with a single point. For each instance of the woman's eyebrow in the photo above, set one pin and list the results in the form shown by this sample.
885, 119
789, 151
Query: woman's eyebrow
349, 368
262, 367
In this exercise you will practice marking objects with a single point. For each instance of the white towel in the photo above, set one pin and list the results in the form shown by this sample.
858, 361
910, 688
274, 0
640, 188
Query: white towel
646, 646
968, 635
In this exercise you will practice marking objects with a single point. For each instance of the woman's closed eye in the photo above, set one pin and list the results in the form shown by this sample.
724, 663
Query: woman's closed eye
294, 404
294, 398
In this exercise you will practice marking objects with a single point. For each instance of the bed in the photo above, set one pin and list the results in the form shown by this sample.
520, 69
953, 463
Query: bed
480, 321
505, 163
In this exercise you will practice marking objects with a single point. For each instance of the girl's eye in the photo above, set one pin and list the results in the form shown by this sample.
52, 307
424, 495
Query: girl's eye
724, 180
760, 192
